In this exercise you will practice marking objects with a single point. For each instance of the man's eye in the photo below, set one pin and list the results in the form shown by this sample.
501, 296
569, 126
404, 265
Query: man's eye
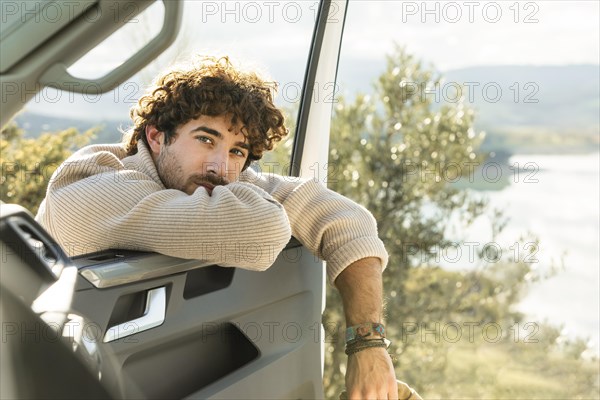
238, 152
204, 139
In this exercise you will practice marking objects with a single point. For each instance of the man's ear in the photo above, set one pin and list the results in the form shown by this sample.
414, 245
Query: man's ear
155, 139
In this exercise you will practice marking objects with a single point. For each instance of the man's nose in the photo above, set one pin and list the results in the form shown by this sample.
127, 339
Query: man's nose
218, 164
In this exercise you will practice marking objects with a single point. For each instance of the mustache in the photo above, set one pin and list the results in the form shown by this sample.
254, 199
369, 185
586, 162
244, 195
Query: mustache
212, 179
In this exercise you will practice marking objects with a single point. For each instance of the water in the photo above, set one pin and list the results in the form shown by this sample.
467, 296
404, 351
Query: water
557, 199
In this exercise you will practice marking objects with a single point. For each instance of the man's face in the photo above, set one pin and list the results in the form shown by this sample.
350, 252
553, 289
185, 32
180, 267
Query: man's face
205, 152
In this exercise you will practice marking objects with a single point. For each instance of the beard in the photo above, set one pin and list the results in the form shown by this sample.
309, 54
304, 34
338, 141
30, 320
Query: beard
171, 174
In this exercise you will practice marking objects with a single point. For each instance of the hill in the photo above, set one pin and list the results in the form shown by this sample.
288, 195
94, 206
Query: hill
534, 108
35, 124
523, 109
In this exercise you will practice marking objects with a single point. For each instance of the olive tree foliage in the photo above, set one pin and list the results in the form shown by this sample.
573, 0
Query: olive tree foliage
28, 163
399, 154
396, 152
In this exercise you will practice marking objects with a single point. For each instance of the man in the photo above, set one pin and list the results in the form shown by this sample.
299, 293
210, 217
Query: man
180, 184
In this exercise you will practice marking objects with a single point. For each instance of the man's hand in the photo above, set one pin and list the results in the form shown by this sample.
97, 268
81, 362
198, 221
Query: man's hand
370, 375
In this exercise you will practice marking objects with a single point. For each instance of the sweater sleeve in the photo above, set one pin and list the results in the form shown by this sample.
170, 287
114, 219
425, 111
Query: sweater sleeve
95, 203
333, 227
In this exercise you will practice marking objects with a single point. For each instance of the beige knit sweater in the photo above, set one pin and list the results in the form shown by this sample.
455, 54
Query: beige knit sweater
100, 198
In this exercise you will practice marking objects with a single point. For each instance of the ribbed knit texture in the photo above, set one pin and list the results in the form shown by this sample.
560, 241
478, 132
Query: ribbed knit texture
100, 198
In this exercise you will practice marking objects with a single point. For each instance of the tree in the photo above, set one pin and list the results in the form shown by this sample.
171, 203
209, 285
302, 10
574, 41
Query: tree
400, 154
28, 164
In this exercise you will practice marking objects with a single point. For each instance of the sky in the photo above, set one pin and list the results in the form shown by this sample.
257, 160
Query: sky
450, 34
447, 33
274, 36
461, 34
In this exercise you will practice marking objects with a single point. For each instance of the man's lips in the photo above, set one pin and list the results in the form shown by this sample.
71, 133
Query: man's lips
208, 186
209, 182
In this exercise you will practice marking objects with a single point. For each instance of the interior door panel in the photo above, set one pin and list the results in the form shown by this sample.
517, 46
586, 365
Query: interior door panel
216, 341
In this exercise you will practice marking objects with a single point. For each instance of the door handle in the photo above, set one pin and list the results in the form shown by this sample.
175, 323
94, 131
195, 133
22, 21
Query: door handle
154, 315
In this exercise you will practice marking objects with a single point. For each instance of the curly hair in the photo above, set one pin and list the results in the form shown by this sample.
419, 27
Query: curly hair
211, 87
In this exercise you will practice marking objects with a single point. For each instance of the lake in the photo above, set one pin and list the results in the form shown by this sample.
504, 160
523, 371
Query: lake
556, 198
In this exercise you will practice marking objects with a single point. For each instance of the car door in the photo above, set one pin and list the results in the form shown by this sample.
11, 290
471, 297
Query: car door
162, 327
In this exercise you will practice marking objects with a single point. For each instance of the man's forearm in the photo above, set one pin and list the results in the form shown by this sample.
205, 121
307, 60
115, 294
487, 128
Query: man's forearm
360, 286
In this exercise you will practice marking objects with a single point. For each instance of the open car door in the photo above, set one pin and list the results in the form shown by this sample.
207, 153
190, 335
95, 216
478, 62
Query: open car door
144, 325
